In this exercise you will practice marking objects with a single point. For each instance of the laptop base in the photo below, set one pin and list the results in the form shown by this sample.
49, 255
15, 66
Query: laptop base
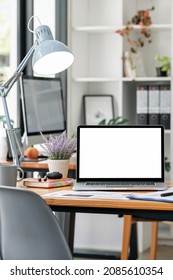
129, 187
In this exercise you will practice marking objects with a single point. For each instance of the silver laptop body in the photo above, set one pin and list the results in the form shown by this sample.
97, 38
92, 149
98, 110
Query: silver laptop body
120, 158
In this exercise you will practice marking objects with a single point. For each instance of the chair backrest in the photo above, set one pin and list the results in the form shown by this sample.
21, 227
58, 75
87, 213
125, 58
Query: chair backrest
29, 230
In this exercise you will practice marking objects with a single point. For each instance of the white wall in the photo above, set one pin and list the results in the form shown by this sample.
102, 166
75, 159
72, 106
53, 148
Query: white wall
104, 232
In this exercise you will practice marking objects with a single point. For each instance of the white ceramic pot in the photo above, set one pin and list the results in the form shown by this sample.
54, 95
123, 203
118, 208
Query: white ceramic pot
59, 165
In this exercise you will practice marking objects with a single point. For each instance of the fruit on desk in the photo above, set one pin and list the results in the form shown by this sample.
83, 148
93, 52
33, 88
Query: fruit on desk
32, 152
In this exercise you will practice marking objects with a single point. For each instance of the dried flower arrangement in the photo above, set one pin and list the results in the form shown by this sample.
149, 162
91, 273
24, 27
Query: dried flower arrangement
143, 19
59, 147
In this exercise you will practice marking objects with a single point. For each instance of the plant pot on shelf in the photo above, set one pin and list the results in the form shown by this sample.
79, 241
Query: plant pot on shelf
160, 72
57, 165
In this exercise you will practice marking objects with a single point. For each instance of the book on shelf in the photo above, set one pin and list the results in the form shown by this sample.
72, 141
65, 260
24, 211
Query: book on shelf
49, 183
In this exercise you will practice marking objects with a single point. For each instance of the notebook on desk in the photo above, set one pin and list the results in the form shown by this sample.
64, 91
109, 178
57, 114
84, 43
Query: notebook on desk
120, 158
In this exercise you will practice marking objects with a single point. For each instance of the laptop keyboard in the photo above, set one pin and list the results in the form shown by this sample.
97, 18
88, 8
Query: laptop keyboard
120, 184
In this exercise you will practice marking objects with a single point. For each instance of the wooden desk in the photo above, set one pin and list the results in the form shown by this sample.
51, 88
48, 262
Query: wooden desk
32, 166
86, 205
146, 209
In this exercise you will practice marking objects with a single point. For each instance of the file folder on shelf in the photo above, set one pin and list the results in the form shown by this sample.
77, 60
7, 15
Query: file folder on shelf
142, 104
154, 104
165, 106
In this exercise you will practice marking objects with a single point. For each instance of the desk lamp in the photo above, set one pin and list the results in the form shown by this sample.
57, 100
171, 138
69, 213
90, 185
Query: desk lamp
49, 57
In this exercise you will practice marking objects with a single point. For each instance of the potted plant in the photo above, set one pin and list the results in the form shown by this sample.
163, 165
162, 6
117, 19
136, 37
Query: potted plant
114, 121
59, 150
163, 65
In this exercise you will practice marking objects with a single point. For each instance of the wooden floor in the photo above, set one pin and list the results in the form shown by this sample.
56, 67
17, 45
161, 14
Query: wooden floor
164, 252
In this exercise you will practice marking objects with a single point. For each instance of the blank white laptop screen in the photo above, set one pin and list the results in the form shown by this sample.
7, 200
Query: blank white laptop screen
126, 153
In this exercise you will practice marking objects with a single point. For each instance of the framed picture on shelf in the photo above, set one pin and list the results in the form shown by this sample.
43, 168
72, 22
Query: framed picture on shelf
97, 108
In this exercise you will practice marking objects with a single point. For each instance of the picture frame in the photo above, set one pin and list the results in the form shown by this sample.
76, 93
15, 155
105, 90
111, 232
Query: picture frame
97, 108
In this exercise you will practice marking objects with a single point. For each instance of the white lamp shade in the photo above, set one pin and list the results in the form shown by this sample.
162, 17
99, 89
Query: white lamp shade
51, 57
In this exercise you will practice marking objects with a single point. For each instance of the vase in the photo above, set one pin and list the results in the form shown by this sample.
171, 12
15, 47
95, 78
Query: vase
56, 165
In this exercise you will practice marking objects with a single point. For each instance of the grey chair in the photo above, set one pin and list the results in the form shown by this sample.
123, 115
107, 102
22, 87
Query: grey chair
29, 230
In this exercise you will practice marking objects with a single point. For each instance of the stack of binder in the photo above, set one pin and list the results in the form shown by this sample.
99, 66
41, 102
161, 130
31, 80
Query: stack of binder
153, 104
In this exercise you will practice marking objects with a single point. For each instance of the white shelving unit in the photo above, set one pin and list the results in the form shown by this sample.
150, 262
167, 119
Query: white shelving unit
98, 51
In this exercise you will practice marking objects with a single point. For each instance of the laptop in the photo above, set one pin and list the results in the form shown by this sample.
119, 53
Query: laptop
120, 158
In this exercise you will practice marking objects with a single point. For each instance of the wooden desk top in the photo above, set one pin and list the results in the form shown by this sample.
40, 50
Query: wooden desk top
33, 165
102, 203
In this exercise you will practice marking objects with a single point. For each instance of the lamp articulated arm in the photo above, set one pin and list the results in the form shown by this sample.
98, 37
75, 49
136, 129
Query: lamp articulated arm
4, 90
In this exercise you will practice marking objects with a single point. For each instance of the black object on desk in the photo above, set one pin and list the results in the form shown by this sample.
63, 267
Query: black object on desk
167, 194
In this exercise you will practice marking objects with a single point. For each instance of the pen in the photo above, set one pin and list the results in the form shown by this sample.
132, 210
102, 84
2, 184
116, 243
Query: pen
167, 194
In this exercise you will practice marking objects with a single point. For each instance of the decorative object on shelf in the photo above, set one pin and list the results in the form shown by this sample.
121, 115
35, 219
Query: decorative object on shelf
97, 108
133, 65
132, 60
128, 70
163, 67
143, 19
59, 150
115, 121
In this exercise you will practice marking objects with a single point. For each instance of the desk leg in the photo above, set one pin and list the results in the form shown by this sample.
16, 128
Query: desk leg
67, 224
133, 243
129, 239
71, 231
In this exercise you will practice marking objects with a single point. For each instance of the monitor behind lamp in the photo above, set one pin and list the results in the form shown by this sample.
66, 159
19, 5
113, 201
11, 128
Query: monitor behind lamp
42, 108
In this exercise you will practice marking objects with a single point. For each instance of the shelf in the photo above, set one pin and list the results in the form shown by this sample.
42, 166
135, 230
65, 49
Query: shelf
154, 27
147, 79
116, 79
95, 29
96, 79
113, 28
